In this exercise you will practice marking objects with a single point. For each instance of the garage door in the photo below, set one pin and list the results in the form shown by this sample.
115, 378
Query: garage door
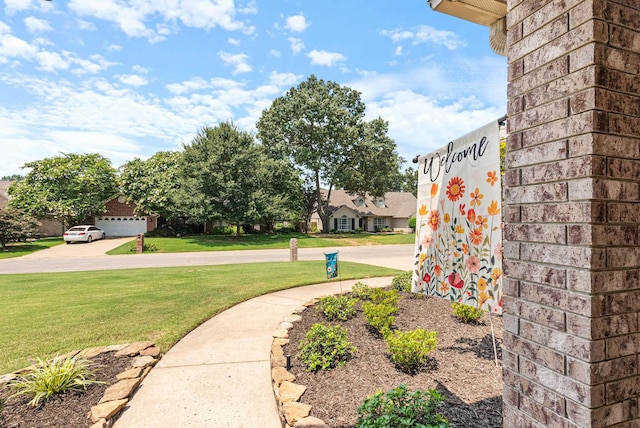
122, 226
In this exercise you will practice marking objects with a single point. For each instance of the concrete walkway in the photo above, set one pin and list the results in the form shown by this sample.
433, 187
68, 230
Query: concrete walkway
219, 375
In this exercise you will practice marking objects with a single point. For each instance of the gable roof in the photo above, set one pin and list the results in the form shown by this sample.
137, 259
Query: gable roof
396, 204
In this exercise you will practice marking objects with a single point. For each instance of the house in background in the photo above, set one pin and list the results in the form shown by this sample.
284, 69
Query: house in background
348, 213
48, 227
4, 192
120, 219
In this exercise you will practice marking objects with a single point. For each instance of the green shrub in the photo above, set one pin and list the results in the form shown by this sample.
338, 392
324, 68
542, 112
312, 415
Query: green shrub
379, 316
410, 350
361, 291
146, 248
338, 308
398, 408
385, 297
402, 282
59, 375
325, 347
224, 230
412, 223
466, 313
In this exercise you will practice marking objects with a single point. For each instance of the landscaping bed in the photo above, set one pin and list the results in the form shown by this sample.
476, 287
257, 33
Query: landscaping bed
462, 367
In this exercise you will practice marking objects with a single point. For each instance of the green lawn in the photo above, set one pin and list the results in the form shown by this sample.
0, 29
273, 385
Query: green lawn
49, 313
260, 242
17, 249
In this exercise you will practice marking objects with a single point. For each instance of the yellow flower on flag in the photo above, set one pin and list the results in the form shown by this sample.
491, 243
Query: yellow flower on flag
493, 208
447, 218
482, 284
459, 229
423, 210
476, 197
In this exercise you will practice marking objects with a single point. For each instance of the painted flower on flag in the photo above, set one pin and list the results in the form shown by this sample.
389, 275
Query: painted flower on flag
423, 257
471, 215
476, 197
434, 190
492, 177
473, 264
444, 287
493, 208
426, 277
498, 251
455, 189
447, 218
437, 269
476, 236
482, 222
496, 274
456, 280
461, 208
465, 248
482, 284
423, 210
459, 229
483, 297
434, 219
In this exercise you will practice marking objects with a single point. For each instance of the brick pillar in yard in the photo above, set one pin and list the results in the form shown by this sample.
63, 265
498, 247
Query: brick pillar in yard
572, 214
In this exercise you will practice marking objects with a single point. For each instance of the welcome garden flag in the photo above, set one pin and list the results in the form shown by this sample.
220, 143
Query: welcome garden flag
459, 221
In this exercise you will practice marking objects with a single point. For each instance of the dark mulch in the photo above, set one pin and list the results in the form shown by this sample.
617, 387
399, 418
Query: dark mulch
462, 367
68, 410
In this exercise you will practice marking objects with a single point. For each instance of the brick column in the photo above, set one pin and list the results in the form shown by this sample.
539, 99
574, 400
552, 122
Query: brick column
572, 214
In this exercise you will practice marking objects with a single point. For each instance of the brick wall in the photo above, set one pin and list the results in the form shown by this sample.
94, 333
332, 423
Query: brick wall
572, 214
115, 208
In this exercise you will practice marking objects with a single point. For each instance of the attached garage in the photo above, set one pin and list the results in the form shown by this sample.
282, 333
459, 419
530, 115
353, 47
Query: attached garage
122, 225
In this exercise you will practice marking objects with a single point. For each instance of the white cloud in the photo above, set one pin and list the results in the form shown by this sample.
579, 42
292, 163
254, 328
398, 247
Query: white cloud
297, 23
238, 61
274, 53
132, 79
51, 61
328, 59
14, 47
296, 45
426, 34
398, 51
283, 79
35, 25
136, 19
13, 6
234, 42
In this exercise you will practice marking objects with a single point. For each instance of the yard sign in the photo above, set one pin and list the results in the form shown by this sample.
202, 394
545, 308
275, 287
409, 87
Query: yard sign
459, 222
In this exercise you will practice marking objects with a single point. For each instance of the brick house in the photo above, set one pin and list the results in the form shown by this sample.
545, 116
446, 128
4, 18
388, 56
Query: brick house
366, 213
120, 219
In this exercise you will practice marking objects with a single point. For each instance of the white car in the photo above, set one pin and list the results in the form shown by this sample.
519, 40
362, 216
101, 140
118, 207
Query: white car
83, 233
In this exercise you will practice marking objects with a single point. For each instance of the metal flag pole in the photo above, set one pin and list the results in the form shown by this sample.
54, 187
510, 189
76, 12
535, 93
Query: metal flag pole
493, 337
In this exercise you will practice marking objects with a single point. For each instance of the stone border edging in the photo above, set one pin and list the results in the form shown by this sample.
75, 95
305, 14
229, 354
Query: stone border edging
117, 395
293, 413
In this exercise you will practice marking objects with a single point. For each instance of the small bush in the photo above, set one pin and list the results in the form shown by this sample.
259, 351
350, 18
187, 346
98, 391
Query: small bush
410, 350
379, 316
325, 347
412, 223
402, 282
224, 230
385, 297
59, 375
338, 308
399, 408
361, 291
466, 313
146, 248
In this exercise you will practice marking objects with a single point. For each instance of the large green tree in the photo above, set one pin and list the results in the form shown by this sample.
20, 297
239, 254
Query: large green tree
152, 184
218, 174
70, 187
320, 126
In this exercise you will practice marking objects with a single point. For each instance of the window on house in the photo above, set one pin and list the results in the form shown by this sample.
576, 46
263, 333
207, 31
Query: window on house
344, 223
379, 223
360, 202
380, 203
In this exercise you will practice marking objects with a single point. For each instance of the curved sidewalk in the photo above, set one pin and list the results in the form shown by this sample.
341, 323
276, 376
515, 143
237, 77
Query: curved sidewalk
219, 375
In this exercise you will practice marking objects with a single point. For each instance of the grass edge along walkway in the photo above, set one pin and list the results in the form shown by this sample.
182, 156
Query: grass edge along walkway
49, 313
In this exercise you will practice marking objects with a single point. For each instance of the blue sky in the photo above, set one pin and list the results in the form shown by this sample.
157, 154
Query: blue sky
128, 78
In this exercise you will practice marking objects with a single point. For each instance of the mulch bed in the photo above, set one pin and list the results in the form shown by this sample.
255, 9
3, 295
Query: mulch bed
68, 410
462, 367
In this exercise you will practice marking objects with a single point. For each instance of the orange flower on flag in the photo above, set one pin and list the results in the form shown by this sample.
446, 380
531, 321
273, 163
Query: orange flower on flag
455, 189
496, 274
434, 190
437, 269
465, 248
423, 210
476, 236
462, 209
476, 197
444, 287
493, 208
434, 219
482, 222
471, 215
492, 177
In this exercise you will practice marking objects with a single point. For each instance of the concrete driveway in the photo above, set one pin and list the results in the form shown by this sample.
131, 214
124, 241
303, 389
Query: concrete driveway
79, 249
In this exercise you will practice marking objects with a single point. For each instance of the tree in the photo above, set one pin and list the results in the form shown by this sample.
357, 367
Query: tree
15, 225
70, 187
320, 126
152, 184
410, 181
218, 174
12, 177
